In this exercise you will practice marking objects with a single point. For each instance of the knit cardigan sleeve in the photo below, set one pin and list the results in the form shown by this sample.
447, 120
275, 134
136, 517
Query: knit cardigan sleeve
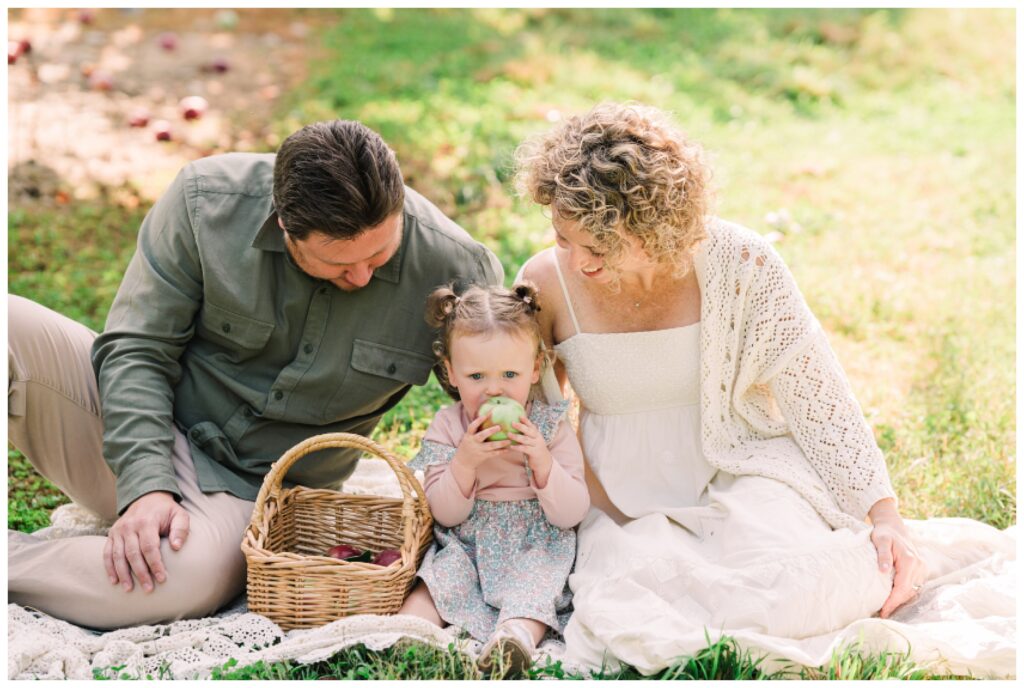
774, 400
825, 419
799, 375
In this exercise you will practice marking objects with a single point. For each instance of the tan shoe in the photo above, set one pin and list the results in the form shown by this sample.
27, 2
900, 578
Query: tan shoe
511, 646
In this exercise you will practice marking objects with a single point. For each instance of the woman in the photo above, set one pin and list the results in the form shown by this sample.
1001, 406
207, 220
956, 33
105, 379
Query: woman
732, 472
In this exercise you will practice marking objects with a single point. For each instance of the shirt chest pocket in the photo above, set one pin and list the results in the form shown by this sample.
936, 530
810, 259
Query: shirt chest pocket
375, 373
229, 335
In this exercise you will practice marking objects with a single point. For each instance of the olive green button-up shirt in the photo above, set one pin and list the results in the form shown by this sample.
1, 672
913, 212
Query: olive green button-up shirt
216, 330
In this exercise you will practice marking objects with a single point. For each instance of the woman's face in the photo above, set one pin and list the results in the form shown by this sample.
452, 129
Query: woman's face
587, 258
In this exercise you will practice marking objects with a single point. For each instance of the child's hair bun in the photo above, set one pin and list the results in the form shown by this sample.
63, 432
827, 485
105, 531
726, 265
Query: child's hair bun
441, 305
527, 293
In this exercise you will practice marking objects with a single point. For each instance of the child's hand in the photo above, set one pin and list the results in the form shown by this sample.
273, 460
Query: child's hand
529, 441
474, 449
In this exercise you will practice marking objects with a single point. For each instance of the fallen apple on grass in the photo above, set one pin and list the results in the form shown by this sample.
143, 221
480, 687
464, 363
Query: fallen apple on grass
100, 80
168, 40
193, 107
138, 118
218, 65
504, 412
162, 130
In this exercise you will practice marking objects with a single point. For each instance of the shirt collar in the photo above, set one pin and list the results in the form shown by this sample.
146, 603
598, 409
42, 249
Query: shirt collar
270, 237
391, 271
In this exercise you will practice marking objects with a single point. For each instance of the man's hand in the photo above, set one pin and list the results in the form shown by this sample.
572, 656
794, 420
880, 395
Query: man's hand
133, 543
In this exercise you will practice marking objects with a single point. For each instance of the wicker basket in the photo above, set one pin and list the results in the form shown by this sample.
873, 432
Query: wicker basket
292, 581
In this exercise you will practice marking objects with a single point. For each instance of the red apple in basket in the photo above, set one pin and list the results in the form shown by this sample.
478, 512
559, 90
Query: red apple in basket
387, 557
504, 412
343, 551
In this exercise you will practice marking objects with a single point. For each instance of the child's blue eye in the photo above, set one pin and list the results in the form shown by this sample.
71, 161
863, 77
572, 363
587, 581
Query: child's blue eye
475, 376
510, 374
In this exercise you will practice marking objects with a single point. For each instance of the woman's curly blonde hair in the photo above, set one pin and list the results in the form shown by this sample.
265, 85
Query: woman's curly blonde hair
622, 168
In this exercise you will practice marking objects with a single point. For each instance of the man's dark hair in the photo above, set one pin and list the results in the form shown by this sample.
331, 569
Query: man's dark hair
338, 178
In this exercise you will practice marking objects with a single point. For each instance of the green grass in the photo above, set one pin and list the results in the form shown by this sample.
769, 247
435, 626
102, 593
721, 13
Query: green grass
30, 497
722, 660
879, 143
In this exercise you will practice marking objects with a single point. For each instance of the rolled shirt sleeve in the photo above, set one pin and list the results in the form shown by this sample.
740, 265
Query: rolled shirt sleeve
136, 357
492, 269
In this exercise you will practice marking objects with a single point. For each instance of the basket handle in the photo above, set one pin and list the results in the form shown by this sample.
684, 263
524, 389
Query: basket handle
274, 479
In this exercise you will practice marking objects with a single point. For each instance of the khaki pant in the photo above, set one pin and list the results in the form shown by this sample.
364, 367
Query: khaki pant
54, 420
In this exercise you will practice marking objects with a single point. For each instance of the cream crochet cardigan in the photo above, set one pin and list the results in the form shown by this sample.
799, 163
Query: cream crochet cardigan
774, 399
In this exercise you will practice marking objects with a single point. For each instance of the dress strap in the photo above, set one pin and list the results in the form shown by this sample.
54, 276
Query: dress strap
565, 292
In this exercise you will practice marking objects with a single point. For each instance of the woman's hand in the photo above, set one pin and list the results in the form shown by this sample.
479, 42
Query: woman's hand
896, 551
529, 441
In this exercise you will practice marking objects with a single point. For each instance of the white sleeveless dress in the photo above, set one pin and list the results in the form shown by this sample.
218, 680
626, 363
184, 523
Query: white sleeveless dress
705, 551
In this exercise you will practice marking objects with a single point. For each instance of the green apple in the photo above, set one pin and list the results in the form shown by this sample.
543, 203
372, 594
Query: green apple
504, 412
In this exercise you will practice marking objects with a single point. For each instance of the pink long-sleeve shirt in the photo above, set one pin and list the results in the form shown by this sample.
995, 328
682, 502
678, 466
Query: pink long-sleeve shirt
564, 499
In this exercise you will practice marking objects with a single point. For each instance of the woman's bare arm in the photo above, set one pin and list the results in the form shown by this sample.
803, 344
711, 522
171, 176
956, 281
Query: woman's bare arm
599, 498
541, 273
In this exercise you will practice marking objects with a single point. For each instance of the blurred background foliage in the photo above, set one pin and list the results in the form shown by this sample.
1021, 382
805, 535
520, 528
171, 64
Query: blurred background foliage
875, 147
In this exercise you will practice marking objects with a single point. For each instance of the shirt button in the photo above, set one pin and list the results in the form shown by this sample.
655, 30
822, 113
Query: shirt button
279, 395
392, 368
308, 348
322, 291
226, 327
194, 433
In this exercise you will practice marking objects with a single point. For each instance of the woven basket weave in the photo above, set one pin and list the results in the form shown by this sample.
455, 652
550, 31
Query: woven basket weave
292, 581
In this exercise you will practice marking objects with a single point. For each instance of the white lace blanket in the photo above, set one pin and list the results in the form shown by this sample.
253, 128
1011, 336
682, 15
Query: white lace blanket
43, 647
965, 620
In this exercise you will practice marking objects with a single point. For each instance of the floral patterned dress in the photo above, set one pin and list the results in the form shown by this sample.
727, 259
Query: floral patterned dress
506, 560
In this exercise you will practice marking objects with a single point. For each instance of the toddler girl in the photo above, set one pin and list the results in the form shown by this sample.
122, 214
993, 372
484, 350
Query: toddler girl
504, 510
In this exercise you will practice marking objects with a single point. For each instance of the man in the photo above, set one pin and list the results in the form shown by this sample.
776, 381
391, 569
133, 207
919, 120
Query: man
269, 299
